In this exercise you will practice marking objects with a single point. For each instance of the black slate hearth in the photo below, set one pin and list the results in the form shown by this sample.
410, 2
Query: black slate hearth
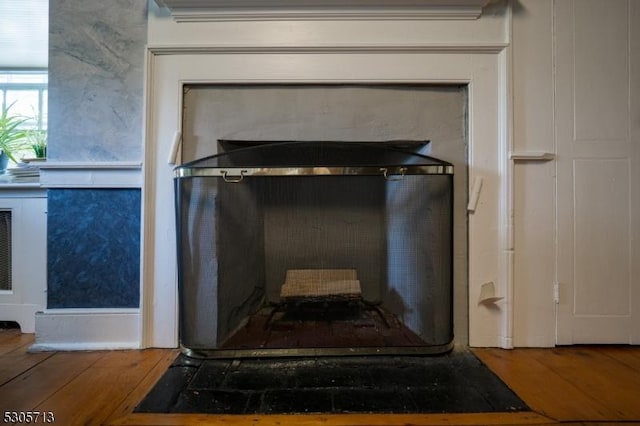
454, 383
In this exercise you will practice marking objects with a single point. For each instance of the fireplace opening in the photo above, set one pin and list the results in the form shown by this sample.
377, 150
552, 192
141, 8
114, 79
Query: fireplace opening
311, 248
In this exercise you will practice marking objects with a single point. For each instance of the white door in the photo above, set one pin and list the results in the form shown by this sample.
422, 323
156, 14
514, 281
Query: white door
597, 57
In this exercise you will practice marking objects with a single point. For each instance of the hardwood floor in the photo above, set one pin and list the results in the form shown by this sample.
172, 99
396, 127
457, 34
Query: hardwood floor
581, 385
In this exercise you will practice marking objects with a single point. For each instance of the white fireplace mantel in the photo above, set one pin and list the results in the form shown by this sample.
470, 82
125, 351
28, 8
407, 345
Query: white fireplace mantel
471, 52
259, 10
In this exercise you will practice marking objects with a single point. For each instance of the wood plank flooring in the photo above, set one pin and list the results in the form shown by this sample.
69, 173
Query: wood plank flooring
573, 383
581, 385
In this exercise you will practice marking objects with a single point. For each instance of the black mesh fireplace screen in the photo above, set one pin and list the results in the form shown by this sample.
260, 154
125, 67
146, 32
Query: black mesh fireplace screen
309, 248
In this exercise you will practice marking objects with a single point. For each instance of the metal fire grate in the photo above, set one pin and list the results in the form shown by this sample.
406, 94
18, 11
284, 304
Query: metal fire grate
5, 250
272, 226
320, 284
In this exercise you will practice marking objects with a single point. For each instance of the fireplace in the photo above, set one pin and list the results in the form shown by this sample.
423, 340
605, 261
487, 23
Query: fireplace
316, 247
403, 52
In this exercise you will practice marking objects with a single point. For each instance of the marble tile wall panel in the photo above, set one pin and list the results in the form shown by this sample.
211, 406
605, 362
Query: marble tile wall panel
96, 75
93, 248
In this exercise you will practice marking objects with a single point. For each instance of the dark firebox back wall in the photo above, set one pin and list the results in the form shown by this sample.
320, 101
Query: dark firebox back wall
331, 112
325, 222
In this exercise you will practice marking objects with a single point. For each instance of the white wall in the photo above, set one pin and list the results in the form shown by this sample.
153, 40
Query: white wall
534, 182
508, 62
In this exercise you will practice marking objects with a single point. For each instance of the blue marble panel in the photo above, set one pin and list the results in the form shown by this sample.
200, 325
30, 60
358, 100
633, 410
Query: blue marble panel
93, 248
96, 79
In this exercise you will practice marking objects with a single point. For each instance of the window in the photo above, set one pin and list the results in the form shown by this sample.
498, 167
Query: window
26, 92
24, 28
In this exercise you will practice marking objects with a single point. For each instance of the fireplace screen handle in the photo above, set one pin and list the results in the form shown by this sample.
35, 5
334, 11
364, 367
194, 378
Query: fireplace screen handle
387, 176
233, 179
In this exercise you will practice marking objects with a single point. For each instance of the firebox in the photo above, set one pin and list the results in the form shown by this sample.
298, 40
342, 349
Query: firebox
315, 248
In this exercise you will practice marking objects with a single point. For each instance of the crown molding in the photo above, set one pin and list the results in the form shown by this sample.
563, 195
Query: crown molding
271, 10
381, 48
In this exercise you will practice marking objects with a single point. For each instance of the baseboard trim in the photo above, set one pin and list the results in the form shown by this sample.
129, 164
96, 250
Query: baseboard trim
87, 329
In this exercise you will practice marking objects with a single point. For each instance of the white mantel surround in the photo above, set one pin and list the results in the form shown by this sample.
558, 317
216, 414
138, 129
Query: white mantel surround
360, 50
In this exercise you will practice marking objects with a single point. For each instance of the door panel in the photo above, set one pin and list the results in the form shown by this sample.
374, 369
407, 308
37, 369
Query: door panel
601, 237
597, 135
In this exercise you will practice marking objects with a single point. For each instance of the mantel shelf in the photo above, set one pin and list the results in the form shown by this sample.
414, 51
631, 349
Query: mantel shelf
265, 10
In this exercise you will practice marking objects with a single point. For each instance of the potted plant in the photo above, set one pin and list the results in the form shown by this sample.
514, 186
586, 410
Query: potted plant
12, 138
36, 139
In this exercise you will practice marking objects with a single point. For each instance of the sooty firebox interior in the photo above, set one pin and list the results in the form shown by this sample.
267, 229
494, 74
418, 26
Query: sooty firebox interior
310, 248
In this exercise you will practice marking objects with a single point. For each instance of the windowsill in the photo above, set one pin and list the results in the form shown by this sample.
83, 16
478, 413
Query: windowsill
19, 185
22, 190
11, 189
